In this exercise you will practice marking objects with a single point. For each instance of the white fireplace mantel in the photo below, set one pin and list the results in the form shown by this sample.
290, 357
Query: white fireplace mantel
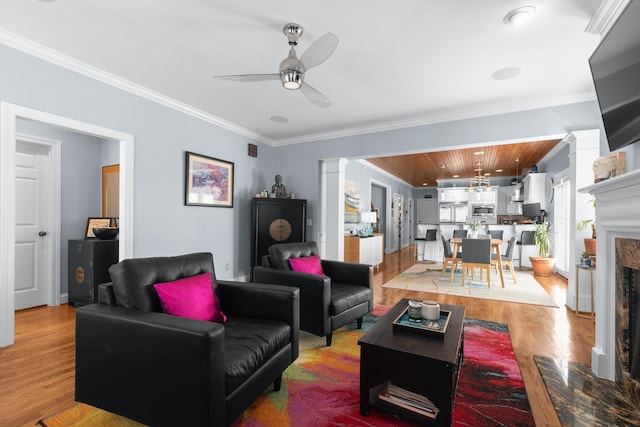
617, 215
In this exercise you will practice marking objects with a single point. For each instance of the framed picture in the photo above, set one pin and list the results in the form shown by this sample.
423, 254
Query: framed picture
95, 223
208, 181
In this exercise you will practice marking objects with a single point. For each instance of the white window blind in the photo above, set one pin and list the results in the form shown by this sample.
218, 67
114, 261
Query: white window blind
561, 223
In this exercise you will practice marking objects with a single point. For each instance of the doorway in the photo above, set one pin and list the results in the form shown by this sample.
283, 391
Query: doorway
9, 114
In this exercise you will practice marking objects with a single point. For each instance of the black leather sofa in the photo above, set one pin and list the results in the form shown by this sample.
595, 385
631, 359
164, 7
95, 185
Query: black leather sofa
163, 370
343, 295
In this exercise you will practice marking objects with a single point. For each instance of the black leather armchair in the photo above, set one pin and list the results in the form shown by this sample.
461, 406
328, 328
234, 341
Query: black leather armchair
327, 302
163, 370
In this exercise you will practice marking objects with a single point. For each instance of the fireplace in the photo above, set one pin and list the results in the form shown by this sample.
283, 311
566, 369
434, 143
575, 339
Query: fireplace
616, 354
627, 288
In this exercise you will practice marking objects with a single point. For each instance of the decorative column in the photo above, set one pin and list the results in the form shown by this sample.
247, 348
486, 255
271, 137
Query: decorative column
584, 149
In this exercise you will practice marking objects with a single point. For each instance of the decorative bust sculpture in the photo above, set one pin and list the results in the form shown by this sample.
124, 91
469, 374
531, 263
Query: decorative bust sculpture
279, 188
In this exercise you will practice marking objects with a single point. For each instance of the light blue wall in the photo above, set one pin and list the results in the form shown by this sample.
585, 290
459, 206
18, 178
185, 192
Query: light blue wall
301, 160
364, 174
163, 225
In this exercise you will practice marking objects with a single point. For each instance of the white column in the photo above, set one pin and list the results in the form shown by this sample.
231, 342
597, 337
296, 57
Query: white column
332, 211
584, 149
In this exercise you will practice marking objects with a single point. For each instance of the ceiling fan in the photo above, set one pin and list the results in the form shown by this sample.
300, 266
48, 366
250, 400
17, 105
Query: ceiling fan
292, 70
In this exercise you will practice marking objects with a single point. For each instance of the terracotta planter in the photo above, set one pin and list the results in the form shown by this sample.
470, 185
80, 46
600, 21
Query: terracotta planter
590, 245
542, 266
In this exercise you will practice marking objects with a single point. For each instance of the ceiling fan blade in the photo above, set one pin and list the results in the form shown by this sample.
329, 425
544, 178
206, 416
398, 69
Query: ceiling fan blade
319, 51
250, 77
315, 96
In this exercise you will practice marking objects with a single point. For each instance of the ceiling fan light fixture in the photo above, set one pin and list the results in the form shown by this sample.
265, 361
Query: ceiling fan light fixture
291, 79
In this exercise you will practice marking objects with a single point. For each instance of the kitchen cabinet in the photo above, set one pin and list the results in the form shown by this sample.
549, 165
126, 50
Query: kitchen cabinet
504, 197
455, 195
535, 190
427, 211
487, 197
364, 250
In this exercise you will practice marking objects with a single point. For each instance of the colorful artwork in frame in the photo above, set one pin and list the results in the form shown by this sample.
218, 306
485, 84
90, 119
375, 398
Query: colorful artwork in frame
351, 202
208, 181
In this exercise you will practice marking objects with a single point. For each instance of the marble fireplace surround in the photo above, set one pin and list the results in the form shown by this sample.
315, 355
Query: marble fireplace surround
617, 216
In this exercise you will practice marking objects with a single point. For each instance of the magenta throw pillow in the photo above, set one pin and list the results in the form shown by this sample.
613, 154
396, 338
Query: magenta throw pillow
192, 297
308, 264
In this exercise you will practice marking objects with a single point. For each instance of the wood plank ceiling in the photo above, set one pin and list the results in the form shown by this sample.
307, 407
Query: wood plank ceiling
424, 169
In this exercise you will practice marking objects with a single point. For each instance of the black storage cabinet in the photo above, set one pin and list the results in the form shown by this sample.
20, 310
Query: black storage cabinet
275, 221
89, 262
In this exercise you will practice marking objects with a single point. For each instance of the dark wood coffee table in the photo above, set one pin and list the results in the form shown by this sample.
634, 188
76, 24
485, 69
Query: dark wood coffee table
414, 360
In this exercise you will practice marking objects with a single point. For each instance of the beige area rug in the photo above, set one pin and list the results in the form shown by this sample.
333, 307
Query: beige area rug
427, 278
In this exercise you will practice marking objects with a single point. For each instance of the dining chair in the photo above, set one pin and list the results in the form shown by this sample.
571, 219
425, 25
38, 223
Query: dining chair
476, 253
496, 234
448, 256
460, 233
507, 258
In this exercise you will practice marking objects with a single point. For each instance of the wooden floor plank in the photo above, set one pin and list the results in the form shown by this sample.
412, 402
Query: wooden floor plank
37, 372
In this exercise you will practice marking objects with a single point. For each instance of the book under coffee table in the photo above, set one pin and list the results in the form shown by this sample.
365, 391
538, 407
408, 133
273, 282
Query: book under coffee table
427, 364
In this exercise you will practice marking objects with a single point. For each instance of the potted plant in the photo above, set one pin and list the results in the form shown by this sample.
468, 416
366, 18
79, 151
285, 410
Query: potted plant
589, 242
585, 259
474, 227
542, 264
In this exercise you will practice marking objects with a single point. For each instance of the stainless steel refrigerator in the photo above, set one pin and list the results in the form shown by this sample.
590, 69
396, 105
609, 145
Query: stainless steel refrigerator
454, 212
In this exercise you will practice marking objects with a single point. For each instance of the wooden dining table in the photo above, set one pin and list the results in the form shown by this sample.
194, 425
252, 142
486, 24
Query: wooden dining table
495, 244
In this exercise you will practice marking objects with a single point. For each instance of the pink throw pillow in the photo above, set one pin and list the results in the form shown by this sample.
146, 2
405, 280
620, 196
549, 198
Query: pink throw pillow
308, 264
192, 297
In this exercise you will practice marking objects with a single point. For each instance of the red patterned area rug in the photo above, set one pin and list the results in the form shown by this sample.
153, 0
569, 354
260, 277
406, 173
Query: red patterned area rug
322, 387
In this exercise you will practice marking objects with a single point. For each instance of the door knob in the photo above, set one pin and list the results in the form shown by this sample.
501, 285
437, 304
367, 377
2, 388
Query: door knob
42, 233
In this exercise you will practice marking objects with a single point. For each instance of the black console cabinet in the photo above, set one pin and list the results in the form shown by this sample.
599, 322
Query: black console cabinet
89, 262
275, 221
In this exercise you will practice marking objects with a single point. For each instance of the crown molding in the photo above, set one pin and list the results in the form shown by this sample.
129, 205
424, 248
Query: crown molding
439, 117
72, 64
427, 118
375, 168
606, 16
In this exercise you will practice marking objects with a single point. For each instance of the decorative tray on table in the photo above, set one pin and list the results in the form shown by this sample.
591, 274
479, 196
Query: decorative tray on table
434, 327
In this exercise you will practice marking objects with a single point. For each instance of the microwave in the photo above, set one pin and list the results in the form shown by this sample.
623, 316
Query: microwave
483, 211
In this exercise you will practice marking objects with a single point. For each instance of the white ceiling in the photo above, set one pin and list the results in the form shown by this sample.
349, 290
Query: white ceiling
398, 63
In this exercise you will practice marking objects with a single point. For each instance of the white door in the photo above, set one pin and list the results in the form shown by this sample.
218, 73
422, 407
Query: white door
33, 275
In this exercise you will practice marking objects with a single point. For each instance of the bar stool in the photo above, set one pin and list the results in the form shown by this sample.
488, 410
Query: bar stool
526, 239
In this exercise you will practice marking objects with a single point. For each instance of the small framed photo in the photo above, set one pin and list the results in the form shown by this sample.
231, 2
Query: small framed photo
95, 223
208, 181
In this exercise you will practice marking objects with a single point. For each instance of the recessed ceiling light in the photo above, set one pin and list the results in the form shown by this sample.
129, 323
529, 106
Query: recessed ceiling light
456, 176
519, 16
506, 73
478, 153
279, 119
498, 170
425, 183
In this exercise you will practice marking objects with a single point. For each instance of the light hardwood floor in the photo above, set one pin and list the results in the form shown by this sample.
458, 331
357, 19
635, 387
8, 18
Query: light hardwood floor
37, 372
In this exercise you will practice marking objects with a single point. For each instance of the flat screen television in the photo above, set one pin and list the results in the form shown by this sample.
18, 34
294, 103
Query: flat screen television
615, 66
531, 210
